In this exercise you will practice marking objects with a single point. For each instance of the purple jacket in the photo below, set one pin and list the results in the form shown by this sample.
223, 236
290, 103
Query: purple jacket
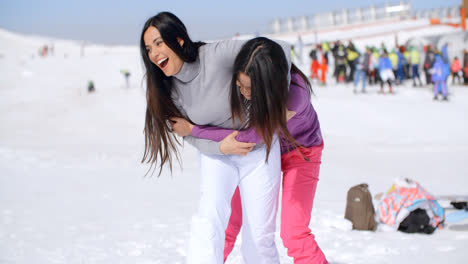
439, 70
304, 126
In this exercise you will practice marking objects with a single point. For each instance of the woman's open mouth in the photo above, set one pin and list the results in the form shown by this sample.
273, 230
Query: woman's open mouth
163, 63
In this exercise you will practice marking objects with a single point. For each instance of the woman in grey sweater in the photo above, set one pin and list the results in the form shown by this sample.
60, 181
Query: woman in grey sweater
192, 80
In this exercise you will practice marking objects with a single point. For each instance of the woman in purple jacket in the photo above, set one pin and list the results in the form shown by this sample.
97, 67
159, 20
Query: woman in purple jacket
300, 155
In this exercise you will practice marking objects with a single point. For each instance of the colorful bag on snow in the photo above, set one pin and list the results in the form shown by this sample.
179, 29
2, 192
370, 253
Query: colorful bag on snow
404, 197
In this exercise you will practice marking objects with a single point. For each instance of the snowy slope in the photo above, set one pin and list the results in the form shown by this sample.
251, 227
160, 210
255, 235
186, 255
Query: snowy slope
72, 189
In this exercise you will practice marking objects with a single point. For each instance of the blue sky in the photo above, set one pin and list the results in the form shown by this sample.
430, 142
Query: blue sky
120, 22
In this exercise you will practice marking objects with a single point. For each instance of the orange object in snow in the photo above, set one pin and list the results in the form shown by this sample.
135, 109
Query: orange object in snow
323, 69
314, 67
434, 21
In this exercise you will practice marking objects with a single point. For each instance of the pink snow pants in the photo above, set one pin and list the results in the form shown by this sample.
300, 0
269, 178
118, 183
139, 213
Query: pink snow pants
300, 180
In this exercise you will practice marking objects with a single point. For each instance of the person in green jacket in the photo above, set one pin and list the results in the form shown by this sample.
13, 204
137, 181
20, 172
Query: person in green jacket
374, 76
352, 55
406, 54
325, 50
414, 60
394, 60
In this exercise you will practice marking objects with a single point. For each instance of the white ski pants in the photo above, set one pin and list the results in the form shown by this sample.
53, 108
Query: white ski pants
259, 185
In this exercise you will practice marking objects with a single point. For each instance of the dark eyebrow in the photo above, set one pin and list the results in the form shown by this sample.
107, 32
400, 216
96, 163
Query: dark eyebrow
153, 41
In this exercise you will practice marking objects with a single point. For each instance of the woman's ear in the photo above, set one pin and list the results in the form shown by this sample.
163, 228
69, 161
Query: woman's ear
181, 41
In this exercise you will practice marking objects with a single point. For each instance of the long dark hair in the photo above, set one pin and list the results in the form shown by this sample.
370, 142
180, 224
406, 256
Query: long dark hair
264, 61
159, 142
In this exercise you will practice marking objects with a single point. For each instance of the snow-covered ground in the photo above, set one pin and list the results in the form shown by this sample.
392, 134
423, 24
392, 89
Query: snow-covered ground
72, 189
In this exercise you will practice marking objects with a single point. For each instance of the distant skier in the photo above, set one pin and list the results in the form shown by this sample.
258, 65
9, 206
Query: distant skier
323, 70
294, 56
126, 74
325, 50
352, 55
406, 67
314, 66
334, 50
91, 88
414, 61
340, 60
455, 70
363, 68
374, 76
400, 72
386, 72
44, 51
439, 76
428, 63
394, 60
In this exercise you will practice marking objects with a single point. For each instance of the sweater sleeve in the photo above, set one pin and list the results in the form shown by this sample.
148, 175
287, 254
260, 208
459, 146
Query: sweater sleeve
203, 145
218, 134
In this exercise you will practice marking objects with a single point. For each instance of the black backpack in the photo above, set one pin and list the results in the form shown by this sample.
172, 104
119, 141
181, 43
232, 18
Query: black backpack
417, 222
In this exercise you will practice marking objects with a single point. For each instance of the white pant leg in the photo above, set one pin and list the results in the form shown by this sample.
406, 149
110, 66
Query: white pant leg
219, 178
386, 75
259, 187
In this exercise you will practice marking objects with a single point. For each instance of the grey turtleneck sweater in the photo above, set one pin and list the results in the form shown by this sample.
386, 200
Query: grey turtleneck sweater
201, 89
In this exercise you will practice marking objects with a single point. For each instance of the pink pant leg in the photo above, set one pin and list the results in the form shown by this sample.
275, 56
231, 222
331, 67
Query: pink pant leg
235, 223
300, 180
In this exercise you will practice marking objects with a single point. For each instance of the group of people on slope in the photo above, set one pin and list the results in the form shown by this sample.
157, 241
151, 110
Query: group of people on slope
392, 67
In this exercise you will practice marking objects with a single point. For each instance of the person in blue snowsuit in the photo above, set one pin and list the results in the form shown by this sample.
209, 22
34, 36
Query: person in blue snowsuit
439, 76
386, 71
400, 71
